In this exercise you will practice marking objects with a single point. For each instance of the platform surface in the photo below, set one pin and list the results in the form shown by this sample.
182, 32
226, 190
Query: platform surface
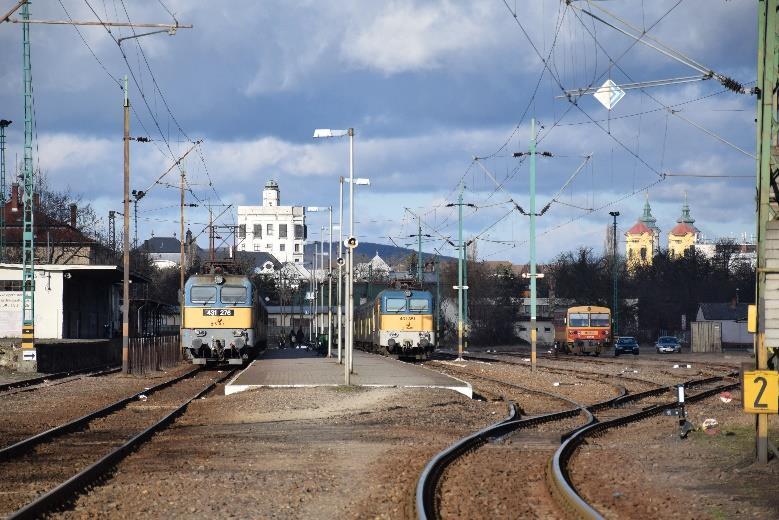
300, 368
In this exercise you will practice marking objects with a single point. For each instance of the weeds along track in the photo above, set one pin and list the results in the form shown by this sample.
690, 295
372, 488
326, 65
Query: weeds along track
35, 383
478, 476
45, 471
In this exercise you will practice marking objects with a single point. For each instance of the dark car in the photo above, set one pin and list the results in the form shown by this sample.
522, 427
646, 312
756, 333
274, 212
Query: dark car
626, 345
668, 344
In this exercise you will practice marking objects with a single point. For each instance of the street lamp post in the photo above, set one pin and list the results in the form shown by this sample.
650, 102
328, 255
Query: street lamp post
327, 133
615, 304
315, 209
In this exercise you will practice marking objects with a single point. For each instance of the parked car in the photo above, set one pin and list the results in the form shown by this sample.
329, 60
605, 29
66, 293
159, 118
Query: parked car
626, 345
668, 344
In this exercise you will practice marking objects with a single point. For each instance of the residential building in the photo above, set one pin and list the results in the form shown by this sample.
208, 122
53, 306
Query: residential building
56, 241
164, 252
272, 228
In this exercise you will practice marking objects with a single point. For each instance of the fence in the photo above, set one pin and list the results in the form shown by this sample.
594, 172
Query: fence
706, 336
149, 354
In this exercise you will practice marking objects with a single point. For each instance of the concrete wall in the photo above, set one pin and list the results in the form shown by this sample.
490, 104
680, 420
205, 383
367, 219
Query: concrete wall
64, 355
544, 328
48, 304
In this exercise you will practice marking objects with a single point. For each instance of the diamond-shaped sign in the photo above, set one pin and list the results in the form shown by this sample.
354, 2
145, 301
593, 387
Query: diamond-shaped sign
609, 94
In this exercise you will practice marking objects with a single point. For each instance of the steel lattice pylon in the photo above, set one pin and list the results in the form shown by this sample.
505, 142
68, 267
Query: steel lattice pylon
28, 246
3, 124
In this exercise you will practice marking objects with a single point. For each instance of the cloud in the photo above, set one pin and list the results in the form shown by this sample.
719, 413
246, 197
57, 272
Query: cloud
412, 36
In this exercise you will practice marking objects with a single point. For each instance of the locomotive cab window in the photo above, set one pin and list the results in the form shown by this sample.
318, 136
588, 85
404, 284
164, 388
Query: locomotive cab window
418, 304
233, 294
202, 294
395, 304
579, 319
599, 320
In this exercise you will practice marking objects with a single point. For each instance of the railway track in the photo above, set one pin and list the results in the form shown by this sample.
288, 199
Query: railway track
61, 377
557, 471
429, 481
43, 472
599, 417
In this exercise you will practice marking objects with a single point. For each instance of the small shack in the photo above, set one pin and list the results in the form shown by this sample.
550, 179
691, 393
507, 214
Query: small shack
720, 325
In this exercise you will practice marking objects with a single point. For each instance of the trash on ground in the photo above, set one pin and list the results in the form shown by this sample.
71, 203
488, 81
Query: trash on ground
710, 426
142, 397
725, 397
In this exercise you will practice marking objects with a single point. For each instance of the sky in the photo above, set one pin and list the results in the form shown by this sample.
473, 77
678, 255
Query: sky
428, 86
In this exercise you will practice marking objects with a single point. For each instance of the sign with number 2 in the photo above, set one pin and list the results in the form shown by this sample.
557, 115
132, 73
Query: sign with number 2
761, 391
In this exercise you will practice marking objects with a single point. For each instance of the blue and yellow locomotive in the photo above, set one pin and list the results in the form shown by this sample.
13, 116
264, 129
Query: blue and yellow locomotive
225, 319
397, 322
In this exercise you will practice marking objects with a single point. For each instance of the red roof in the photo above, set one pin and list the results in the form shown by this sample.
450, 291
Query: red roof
682, 229
45, 228
639, 228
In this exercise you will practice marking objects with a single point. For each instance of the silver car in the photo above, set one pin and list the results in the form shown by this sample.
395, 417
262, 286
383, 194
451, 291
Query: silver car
668, 344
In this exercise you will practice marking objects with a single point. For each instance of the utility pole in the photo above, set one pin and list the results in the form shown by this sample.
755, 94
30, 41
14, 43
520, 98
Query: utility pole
3, 188
533, 331
419, 252
465, 296
340, 265
419, 235
460, 254
615, 269
767, 128
437, 296
182, 259
29, 356
126, 241
460, 283
330, 284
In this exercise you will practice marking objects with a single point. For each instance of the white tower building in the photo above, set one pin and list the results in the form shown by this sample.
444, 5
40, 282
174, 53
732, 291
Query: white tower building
275, 229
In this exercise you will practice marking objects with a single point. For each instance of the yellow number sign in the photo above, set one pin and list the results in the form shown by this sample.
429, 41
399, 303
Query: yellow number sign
761, 391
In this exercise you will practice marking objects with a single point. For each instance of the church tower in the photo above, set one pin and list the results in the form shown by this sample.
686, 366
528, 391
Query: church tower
642, 241
684, 235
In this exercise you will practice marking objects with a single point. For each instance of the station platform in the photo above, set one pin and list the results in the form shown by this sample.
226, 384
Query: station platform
291, 368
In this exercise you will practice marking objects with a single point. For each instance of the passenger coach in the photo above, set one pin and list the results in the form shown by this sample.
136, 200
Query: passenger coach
225, 320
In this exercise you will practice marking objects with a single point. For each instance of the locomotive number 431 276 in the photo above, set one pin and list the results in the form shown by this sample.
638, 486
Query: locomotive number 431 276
218, 312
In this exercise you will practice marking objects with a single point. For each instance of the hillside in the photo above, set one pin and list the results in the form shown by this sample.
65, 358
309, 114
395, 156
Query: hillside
365, 251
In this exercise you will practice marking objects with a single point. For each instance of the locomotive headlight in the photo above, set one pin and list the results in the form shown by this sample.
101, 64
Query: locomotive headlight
200, 332
394, 334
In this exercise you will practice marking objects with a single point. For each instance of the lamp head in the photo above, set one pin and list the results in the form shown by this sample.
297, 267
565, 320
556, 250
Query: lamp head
321, 133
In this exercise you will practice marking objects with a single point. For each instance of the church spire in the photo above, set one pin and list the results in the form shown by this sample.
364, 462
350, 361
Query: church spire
647, 218
686, 218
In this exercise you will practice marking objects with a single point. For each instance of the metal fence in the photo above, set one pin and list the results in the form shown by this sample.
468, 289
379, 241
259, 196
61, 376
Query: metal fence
150, 354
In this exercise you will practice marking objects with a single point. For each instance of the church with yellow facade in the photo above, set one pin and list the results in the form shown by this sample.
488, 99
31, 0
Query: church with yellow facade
642, 240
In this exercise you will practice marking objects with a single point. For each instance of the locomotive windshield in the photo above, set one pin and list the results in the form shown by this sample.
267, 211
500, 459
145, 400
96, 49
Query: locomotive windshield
419, 304
202, 294
233, 294
599, 320
579, 319
395, 304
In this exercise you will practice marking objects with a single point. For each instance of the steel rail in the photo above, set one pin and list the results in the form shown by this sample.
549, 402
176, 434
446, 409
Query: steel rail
99, 370
74, 485
557, 474
76, 424
427, 484
429, 479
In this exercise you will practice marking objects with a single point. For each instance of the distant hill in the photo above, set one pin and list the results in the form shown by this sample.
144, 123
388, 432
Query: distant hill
366, 250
